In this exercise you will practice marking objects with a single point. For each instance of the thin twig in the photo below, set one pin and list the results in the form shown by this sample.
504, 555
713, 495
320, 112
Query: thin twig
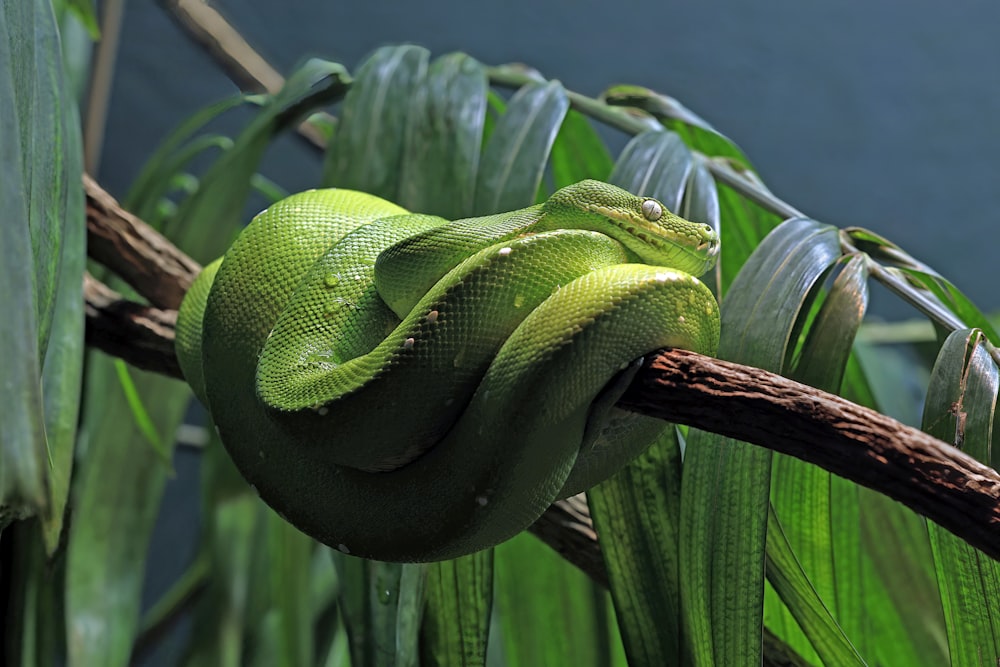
242, 64
100, 83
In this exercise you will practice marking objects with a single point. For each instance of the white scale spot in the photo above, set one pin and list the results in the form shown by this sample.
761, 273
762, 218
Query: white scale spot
408, 344
342, 548
681, 319
432, 317
323, 411
505, 251
482, 500
664, 277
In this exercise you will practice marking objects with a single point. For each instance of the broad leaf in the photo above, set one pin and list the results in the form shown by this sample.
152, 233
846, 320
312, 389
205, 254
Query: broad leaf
637, 515
789, 580
820, 515
368, 145
443, 138
39, 164
655, 164
108, 540
230, 514
62, 371
515, 156
457, 618
578, 153
549, 613
960, 407
725, 486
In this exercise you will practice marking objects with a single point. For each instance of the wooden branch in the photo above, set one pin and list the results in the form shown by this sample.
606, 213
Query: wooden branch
135, 251
141, 335
930, 476
749, 404
241, 63
567, 528
244, 66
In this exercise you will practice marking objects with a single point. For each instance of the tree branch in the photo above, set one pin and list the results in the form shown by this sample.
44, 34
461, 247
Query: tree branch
135, 251
749, 404
141, 335
242, 64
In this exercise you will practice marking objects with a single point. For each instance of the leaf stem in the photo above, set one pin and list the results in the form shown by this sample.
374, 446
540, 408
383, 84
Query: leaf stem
745, 183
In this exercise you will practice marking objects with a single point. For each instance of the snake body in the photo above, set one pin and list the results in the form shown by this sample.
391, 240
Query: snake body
406, 388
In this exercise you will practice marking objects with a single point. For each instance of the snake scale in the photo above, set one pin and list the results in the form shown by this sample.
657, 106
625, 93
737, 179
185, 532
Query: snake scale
407, 388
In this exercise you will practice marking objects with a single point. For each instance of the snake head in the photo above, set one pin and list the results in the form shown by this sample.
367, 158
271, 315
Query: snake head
642, 224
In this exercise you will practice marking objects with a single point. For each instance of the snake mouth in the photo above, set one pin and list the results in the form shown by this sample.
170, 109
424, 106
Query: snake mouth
710, 248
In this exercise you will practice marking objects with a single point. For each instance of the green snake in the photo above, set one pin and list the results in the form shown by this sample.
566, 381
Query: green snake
406, 388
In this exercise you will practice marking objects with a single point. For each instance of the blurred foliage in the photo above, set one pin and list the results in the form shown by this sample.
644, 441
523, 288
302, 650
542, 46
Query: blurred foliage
696, 523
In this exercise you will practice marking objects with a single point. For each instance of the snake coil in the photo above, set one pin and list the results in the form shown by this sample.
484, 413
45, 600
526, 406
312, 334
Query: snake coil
406, 388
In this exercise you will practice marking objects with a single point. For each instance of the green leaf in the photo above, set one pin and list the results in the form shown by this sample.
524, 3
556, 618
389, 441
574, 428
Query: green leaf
175, 151
701, 199
33, 633
367, 149
457, 618
444, 137
515, 156
960, 407
957, 302
549, 612
578, 153
662, 107
902, 602
172, 176
410, 615
84, 11
382, 603
37, 168
289, 555
117, 493
636, 514
820, 518
725, 486
231, 515
62, 371
495, 107
792, 585
268, 189
208, 219
884, 250
37, 89
140, 417
655, 164
745, 223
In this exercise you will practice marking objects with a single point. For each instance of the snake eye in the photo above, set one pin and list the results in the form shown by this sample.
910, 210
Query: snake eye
652, 210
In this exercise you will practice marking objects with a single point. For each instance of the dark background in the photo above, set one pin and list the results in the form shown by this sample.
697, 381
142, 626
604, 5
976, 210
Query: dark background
877, 114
